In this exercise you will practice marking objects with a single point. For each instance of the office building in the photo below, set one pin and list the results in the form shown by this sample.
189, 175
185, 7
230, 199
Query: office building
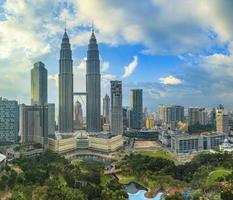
106, 109
93, 104
33, 126
78, 116
126, 116
65, 122
222, 121
116, 108
136, 105
197, 116
51, 119
9, 121
39, 78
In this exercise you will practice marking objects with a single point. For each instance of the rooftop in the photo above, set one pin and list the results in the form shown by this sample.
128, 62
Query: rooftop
2, 157
104, 135
186, 135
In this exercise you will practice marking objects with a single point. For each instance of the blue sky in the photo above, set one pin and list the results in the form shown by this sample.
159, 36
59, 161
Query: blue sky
178, 52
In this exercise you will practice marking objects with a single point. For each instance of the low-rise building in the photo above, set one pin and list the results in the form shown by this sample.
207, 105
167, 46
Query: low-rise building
165, 136
226, 146
14, 153
82, 140
186, 143
105, 142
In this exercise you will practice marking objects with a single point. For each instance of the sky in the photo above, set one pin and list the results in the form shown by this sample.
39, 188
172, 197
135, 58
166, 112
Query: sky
178, 52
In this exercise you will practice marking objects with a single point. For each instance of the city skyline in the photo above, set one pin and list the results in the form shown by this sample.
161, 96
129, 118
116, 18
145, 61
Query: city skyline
193, 66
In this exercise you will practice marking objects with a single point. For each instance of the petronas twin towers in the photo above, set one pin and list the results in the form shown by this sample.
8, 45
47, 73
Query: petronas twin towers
93, 86
65, 122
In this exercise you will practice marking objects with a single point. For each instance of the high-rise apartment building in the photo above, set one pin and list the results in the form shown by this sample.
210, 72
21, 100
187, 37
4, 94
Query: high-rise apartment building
163, 113
65, 122
136, 104
39, 78
150, 122
212, 116
222, 121
9, 121
116, 108
174, 113
93, 119
197, 116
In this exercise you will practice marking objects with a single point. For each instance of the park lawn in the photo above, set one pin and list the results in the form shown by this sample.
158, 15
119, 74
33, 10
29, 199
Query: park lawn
128, 179
218, 173
158, 154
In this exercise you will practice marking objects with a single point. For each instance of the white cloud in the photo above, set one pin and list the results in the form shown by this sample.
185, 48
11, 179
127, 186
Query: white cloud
104, 66
129, 69
170, 80
31, 30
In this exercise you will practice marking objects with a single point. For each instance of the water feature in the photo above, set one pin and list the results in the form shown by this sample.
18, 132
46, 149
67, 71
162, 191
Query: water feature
140, 195
137, 192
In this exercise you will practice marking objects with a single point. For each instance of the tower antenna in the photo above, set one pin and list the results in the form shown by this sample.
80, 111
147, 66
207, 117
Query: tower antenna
66, 15
92, 27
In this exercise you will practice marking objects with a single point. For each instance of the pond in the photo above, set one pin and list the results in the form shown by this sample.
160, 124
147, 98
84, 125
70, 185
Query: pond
137, 192
140, 195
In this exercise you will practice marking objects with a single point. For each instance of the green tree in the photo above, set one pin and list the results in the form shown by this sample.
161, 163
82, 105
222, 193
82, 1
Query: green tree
18, 196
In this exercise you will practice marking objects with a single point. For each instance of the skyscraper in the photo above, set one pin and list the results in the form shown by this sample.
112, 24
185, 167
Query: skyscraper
136, 108
106, 109
78, 115
65, 122
93, 86
39, 84
116, 108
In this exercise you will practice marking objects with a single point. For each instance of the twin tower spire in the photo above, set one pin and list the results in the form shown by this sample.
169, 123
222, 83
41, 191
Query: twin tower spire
65, 122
